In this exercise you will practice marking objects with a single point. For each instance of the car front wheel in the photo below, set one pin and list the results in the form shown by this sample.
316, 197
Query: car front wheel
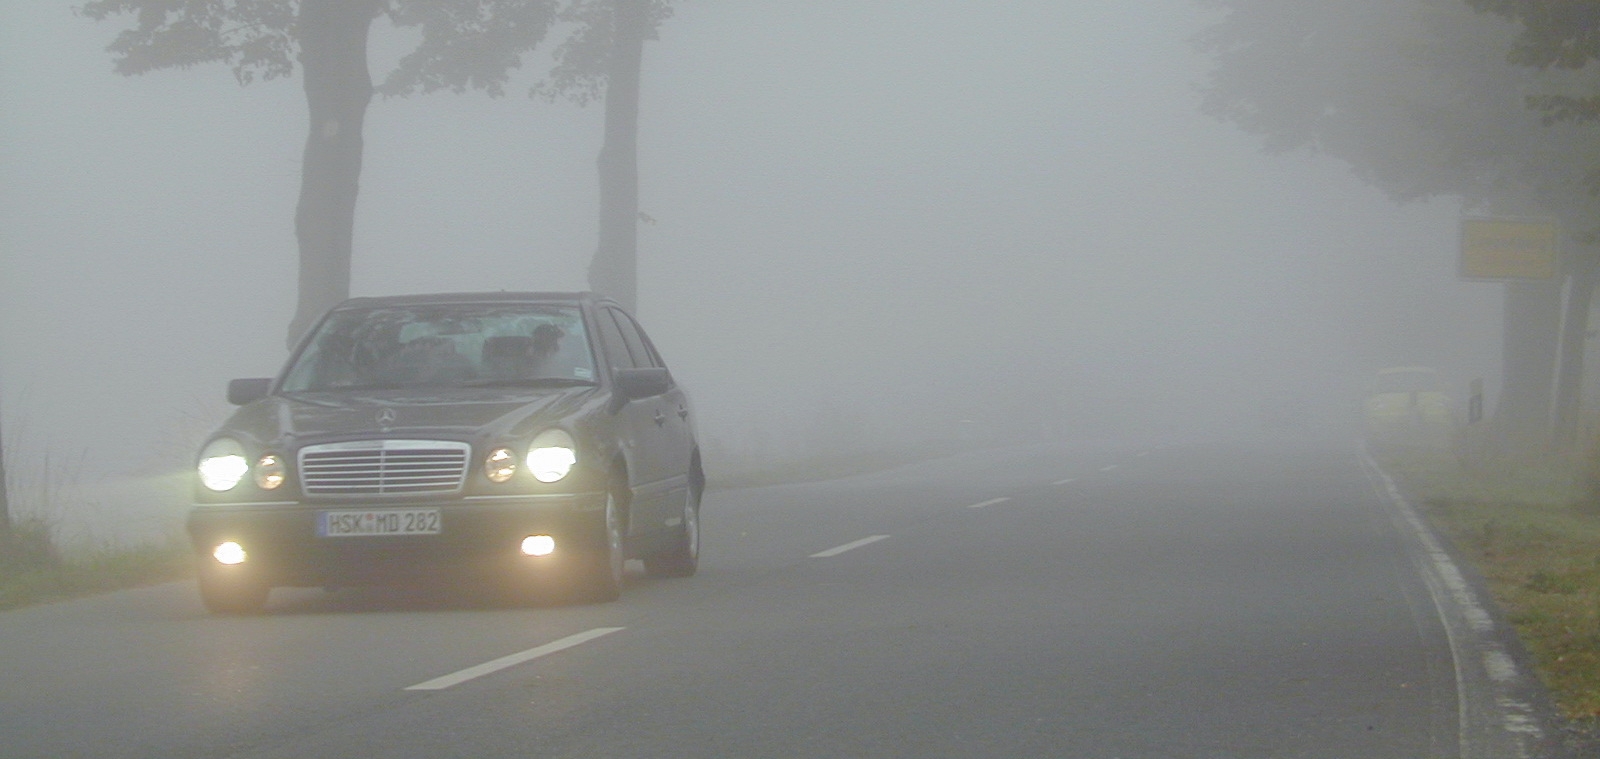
601, 575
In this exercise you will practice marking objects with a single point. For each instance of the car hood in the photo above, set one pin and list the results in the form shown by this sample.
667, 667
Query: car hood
453, 412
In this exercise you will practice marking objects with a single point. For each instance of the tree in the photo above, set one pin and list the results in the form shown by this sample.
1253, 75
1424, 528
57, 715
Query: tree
603, 58
464, 42
1418, 98
1563, 35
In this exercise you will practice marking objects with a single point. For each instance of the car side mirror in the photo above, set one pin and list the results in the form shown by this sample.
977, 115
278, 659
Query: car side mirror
242, 391
633, 384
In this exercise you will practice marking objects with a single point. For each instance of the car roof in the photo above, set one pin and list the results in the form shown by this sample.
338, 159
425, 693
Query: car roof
479, 297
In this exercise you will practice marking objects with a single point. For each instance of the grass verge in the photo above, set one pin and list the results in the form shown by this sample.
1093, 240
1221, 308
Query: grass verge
33, 571
1536, 542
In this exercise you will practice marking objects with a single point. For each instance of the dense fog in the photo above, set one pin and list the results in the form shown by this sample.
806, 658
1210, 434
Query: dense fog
870, 225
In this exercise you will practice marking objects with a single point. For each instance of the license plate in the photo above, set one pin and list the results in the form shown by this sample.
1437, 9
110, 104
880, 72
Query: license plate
351, 524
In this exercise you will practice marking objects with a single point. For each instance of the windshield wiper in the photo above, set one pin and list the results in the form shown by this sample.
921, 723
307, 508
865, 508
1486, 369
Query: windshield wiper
531, 382
357, 388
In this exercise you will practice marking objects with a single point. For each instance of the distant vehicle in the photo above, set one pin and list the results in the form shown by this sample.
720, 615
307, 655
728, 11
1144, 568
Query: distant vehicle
1406, 405
530, 439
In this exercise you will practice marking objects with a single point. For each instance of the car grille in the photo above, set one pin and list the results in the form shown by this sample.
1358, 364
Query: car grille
383, 467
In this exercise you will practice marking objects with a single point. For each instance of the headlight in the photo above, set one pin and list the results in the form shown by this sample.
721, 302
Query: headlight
222, 464
500, 465
269, 472
551, 455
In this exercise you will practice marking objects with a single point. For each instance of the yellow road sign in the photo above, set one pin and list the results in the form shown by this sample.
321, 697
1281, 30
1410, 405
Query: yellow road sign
1509, 248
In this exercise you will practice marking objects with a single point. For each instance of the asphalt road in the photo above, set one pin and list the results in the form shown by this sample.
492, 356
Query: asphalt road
1240, 600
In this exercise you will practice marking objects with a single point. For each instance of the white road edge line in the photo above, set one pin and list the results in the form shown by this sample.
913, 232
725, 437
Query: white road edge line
457, 678
990, 502
847, 547
1470, 629
1065, 481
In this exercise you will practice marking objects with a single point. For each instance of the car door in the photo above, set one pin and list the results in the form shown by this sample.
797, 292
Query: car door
674, 445
640, 425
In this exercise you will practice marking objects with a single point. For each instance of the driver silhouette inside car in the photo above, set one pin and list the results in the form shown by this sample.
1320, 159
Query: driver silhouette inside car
523, 357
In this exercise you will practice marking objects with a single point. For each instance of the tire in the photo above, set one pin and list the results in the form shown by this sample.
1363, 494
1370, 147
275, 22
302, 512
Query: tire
231, 591
682, 557
600, 578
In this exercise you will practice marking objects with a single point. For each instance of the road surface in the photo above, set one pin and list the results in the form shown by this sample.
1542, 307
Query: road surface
1188, 600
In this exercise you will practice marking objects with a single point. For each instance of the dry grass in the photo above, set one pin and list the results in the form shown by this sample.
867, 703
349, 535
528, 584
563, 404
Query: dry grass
1529, 530
33, 570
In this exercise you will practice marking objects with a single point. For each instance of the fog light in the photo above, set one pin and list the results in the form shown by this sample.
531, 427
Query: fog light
229, 553
538, 545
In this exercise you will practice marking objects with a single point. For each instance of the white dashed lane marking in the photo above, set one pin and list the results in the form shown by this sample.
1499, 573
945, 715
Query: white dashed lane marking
1108, 467
489, 667
990, 502
847, 547
1063, 482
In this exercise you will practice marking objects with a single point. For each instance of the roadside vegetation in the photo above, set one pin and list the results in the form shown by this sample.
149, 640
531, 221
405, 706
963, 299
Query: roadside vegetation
1532, 529
33, 570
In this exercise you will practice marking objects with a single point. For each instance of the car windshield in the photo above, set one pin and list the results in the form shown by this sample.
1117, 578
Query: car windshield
445, 344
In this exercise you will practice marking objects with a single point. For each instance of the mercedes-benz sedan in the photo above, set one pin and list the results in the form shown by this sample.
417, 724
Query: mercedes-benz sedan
528, 440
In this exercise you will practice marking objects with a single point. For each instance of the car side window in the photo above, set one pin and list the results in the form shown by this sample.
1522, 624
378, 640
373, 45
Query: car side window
653, 357
630, 333
616, 347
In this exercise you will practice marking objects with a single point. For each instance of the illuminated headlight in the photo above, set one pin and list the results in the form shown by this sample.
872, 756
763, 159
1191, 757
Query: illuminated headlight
269, 472
551, 455
222, 464
500, 465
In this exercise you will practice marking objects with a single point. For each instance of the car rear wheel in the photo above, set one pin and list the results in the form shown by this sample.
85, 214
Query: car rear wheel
231, 590
682, 556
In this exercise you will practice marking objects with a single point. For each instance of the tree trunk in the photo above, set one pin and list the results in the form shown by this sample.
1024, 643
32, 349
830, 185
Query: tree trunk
1574, 334
333, 59
614, 270
1532, 330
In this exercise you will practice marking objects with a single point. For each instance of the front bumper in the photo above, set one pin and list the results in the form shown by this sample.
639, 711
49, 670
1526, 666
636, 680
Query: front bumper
478, 536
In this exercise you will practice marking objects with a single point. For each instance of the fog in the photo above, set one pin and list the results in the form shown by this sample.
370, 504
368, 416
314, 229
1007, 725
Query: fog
871, 225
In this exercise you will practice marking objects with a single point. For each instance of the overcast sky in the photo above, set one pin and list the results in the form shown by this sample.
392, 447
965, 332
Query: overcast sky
883, 212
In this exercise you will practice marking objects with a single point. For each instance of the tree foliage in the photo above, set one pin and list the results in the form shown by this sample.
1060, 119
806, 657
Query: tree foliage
583, 59
1417, 96
257, 38
1556, 33
1428, 98
463, 44
467, 44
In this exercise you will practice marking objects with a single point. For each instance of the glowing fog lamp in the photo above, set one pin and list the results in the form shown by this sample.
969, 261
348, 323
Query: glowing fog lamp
500, 465
222, 464
229, 553
538, 545
270, 472
551, 455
